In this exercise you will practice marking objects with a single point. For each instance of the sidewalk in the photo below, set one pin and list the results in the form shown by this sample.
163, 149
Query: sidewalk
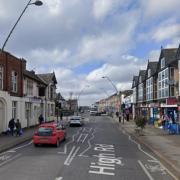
8, 141
164, 145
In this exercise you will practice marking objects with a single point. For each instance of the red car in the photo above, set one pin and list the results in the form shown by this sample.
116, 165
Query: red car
50, 133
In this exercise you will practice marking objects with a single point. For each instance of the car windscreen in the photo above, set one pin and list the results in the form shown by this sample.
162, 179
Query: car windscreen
75, 119
45, 131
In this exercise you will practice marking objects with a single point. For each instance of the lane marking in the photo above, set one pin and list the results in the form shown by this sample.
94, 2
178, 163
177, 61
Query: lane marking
79, 137
153, 158
73, 156
5, 162
65, 146
84, 138
145, 170
89, 145
69, 156
19, 147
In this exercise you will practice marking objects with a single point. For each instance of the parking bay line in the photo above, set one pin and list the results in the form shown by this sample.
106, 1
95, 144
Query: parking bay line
16, 156
145, 170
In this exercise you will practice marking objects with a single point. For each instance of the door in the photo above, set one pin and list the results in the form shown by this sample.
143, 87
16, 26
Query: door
1, 115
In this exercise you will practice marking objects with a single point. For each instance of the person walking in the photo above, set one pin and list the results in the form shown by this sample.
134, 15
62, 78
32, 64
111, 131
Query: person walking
41, 119
11, 126
18, 128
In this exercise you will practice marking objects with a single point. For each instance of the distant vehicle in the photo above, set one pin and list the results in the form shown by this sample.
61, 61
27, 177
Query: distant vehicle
50, 133
76, 120
93, 112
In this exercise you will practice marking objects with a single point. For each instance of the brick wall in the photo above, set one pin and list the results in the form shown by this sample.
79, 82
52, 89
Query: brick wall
11, 63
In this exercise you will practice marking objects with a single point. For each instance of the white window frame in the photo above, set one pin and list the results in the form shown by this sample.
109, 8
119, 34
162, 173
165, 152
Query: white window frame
14, 78
14, 109
149, 73
29, 88
140, 92
149, 89
1, 77
163, 87
162, 62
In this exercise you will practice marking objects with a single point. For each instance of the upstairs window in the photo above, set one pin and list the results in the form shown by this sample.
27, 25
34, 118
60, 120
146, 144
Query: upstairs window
1, 77
29, 87
14, 81
149, 72
140, 79
162, 63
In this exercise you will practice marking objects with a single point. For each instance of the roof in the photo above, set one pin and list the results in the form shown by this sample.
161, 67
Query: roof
142, 73
32, 75
153, 67
169, 55
48, 77
135, 81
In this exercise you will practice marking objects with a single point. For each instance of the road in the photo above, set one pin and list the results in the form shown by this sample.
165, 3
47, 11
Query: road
98, 150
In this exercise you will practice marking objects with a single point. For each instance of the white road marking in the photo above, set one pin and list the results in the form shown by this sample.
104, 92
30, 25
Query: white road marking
16, 156
84, 138
65, 146
89, 145
59, 178
153, 158
69, 156
73, 156
145, 170
19, 147
79, 137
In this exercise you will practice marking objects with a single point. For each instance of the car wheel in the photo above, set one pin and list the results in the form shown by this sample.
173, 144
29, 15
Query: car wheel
57, 143
35, 145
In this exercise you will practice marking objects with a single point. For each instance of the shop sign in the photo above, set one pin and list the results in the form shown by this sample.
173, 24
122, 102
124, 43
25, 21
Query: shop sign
171, 101
154, 105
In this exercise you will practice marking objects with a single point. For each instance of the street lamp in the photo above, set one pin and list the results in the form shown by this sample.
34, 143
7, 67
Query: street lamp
106, 77
37, 3
81, 93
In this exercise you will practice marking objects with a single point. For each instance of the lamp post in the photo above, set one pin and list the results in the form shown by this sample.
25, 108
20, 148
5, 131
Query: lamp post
37, 3
118, 94
80, 95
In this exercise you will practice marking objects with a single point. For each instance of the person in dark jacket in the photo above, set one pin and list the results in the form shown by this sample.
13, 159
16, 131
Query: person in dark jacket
11, 126
18, 128
41, 119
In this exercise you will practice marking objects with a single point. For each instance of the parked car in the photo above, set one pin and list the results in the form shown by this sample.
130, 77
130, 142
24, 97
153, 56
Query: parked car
50, 133
76, 120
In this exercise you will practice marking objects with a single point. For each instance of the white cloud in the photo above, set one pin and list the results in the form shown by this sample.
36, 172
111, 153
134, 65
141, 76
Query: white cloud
167, 31
153, 9
46, 57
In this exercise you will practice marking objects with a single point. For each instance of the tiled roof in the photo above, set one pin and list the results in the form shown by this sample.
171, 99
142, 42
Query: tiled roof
135, 79
142, 73
153, 66
32, 75
48, 77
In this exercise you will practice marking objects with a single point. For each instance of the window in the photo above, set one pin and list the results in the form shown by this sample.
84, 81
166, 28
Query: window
140, 79
149, 89
149, 72
28, 110
14, 109
29, 87
1, 77
163, 87
162, 63
14, 81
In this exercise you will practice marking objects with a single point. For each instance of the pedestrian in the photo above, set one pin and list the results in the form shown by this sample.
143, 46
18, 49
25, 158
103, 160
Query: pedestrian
127, 114
18, 128
41, 119
11, 126
61, 115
